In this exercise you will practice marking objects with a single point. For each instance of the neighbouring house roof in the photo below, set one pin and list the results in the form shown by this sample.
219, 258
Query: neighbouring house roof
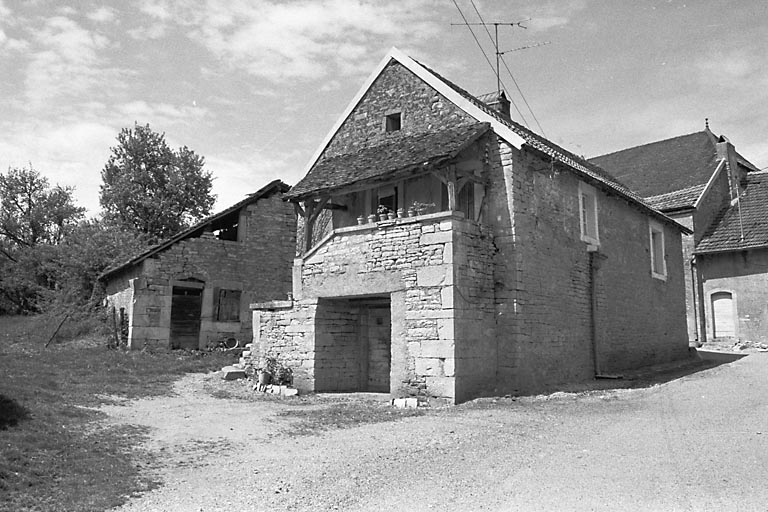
395, 155
503, 126
742, 225
677, 200
197, 229
667, 165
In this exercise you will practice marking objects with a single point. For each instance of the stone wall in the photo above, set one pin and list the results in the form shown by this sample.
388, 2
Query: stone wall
743, 274
544, 279
395, 90
409, 261
259, 266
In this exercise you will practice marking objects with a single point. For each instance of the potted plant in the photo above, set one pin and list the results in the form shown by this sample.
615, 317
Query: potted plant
400, 213
421, 208
360, 220
411, 211
382, 211
372, 218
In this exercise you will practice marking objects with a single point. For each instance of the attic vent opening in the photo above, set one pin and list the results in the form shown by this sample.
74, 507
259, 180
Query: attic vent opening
393, 122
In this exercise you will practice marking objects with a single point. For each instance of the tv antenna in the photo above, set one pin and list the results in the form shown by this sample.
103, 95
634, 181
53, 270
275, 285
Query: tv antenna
496, 25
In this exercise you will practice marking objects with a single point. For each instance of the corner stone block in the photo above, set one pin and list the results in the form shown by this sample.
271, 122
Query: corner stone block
446, 297
446, 329
435, 275
441, 386
434, 348
440, 237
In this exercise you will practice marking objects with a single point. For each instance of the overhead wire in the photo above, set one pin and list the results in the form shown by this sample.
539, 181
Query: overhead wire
482, 50
509, 71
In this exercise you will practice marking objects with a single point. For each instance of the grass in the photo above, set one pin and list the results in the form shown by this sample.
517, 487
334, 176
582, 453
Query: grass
54, 452
314, 421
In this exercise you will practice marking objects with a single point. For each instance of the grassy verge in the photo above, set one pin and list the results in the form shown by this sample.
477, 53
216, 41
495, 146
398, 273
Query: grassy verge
54, 455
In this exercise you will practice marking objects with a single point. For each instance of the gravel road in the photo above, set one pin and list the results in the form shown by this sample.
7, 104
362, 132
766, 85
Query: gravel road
696, 443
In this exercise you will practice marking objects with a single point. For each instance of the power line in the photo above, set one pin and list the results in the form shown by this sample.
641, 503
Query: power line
499, 57
486, 57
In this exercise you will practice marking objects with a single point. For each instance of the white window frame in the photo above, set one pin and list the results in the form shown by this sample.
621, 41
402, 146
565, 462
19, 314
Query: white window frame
655, 227
588, 215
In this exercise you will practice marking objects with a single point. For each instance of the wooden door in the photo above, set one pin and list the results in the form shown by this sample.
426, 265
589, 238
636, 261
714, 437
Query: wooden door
723, 322
379, 349
186, 305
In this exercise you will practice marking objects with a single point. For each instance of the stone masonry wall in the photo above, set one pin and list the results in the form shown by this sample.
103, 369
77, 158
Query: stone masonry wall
543, 280
395, 90
409, 260
259, 266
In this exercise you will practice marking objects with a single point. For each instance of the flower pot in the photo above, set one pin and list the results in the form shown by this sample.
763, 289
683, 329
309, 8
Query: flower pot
391, 215
360, 220
400, 213
411, 212
382, 217
371, 218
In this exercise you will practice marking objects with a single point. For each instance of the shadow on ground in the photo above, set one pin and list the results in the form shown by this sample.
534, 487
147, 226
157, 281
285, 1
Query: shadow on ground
11, 413
699, 361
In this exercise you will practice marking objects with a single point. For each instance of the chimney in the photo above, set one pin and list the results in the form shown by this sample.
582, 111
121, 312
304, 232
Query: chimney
736, 174
497, 101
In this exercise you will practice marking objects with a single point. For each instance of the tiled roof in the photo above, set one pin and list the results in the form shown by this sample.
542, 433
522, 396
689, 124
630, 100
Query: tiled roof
546, 146
587, 170
402, 152
668, 165
679, 199
197, 229
743, 224
664, 166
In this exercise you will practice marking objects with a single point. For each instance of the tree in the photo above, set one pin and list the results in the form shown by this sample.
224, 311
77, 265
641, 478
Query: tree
151, 188
32, 212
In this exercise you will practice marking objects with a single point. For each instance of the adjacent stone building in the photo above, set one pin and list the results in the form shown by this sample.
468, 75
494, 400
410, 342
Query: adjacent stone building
446, 252
702, 182
195, 288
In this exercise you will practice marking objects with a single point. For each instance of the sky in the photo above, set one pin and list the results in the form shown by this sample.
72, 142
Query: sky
255, 85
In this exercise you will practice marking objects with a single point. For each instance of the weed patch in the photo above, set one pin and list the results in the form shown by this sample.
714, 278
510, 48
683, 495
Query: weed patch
55, 454
313, 421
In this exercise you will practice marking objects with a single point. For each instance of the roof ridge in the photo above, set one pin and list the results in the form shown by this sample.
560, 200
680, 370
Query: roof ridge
662, 141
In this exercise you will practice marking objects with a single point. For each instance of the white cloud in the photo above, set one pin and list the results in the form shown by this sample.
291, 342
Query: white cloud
102, 15
282, 41
69, 153
65, 61
156, 113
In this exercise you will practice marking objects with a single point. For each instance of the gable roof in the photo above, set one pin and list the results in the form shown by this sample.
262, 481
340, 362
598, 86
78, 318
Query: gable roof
669, 165
395, 156
742, 225
677, 200
197, 229
504, 127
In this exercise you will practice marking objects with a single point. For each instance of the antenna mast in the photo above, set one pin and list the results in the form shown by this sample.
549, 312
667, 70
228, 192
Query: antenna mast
496, 25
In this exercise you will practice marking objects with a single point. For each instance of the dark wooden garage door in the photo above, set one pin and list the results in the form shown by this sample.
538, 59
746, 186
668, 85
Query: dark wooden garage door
186, 305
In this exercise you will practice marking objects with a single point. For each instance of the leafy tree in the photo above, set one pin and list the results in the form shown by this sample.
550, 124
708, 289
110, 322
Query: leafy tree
153, 189
89, 249
32, 212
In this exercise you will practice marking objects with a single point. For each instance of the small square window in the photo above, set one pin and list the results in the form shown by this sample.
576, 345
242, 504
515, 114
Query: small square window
393, 122
658, 256
588, 214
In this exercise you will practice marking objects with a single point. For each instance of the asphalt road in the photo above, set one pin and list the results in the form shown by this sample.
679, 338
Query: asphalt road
697, 443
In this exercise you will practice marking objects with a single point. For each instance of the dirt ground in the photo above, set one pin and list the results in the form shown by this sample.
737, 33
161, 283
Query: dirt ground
693, 442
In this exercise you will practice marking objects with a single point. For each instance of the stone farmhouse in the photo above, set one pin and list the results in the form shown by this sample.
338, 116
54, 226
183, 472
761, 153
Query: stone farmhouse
702, 182
446, 252
195, 288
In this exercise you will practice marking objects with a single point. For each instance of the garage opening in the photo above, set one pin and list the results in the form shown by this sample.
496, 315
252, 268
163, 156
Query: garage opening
353, 344
186, 305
